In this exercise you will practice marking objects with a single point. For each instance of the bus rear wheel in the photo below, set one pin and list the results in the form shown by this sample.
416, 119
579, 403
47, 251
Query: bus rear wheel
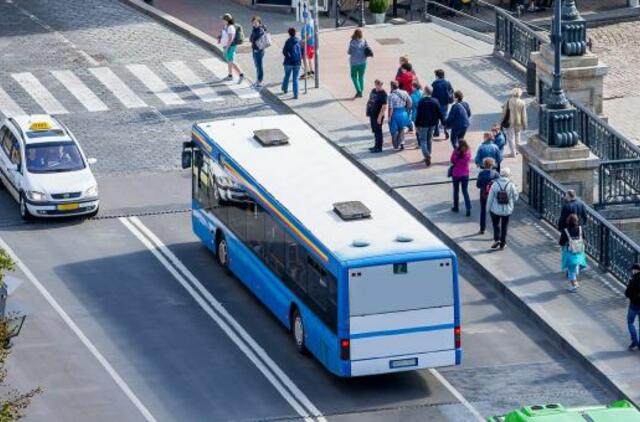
222, 252
297, 331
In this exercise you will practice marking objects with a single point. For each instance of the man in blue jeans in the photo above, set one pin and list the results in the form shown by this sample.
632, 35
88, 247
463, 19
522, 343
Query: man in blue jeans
633, 294
292, 52
428, 117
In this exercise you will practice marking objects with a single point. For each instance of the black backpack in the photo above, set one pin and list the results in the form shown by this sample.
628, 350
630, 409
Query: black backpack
239, 37
503, 196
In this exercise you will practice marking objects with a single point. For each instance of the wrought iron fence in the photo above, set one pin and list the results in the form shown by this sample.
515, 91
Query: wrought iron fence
346, 10
606, 244
619, 182
515, 39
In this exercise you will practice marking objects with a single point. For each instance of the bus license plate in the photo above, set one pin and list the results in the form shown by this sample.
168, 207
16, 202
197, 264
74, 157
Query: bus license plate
403, 363
68, 207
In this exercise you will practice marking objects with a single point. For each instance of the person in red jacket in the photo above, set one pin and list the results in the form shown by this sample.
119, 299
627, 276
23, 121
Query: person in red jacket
406, 77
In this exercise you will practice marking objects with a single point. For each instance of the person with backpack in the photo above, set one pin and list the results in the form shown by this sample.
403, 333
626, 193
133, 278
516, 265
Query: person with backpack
458, 119
501, 202
292, 52
231, 36
488, 149
632, 293
460, 160
443, 92
357, 52
428, 116
260, 41
376, 109
573, 257
483, 183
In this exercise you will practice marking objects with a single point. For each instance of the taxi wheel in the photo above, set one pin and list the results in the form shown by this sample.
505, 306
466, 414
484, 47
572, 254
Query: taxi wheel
297, 331
24, 212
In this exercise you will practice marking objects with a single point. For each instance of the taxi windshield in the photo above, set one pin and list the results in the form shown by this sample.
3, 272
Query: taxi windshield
54, 158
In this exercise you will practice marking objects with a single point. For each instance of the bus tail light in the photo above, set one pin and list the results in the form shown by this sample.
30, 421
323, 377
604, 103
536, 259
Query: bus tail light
345, 349
457, 334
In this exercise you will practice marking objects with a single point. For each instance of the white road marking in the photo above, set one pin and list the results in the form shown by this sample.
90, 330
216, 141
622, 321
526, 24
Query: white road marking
457, 395
39, 93
193, 81
7, 106
219, 69
118, 88
78, 332
79, 90
282, 383
155, 84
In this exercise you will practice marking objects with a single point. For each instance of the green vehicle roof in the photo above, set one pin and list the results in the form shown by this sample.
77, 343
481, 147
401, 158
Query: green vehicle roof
619, 411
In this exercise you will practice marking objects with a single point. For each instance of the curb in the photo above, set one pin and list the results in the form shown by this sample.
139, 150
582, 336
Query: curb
565, 345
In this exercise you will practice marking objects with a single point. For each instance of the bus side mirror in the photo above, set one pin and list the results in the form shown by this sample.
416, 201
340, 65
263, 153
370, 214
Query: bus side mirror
186, 158
198, 159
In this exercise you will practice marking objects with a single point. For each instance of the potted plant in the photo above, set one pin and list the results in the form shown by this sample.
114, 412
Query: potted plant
379, 9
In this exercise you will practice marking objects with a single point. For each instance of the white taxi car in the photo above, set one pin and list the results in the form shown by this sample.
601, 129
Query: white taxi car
44, 169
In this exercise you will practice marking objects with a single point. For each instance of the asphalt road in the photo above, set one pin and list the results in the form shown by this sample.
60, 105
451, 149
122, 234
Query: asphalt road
121, 328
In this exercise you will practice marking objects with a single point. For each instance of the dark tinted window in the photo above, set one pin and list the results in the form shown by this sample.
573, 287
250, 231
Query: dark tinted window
296, 267
274, 246
255, 229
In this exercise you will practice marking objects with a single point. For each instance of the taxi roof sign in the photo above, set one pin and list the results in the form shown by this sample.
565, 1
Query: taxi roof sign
40, 125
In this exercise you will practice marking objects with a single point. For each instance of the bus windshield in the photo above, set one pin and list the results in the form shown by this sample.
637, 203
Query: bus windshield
54, 158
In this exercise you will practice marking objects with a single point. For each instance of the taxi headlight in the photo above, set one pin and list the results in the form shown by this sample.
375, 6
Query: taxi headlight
36, 196
92, 191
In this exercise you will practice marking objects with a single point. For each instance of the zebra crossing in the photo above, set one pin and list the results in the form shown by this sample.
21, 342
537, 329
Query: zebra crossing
133, 86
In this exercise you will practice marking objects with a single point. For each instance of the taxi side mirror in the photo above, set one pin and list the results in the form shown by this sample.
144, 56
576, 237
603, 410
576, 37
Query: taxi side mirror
186, 158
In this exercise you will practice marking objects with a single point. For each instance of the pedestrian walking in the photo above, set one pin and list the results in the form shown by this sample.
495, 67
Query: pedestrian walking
443, 92
292, 52
483, 183
308, 43
499, 137
406, 77
514, 119
402, 60
488, 149
633, 294
458, 118
573, 256
399, 121
428, 116
230, 37
460, 162
571, 205
501, 202
416, 95
358, 60
376, 109
259, 43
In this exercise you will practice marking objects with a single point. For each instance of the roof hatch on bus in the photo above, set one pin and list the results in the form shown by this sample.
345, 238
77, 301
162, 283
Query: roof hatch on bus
270, 137
351, 210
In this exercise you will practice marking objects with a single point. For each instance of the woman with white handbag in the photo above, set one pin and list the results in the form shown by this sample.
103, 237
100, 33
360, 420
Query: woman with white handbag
573, 247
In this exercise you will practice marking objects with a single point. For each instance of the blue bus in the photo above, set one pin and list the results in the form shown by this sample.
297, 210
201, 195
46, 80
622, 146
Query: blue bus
359, 282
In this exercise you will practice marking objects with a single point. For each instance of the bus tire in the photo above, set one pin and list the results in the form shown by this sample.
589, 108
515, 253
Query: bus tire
222, 251
297, 331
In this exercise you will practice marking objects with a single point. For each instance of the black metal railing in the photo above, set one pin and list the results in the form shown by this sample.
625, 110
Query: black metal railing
619, 182
605, 243
349, 10
515, 39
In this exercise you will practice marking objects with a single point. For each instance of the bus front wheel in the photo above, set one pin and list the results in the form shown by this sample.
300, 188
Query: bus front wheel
222, 252
297, 331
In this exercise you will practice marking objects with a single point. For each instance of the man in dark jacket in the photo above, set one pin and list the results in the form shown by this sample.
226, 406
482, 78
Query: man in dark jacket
376, 109
572, 205
633, 294
292, 52
458, 119
443, 92
428, 116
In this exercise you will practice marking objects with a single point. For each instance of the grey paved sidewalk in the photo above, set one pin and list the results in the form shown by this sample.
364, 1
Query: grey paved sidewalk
590, 322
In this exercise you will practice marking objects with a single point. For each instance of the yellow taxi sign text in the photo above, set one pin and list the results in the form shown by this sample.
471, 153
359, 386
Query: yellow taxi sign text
36, 126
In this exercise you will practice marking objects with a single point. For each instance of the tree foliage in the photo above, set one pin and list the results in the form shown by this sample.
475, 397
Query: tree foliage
13, 402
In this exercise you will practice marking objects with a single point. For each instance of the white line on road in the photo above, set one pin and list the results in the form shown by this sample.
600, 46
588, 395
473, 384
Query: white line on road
282, 383
39, 93
7, 106
457, 395
219, 70
79, 90
78, 332
114, 84
155, 84
193, 81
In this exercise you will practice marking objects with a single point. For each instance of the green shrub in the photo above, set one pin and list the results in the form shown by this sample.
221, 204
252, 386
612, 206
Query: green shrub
378, 6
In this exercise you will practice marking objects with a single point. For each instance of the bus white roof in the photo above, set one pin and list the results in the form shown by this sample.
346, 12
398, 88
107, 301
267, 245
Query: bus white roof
308, 176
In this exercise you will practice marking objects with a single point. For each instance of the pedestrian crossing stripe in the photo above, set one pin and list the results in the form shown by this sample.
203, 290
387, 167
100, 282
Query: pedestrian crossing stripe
88, 88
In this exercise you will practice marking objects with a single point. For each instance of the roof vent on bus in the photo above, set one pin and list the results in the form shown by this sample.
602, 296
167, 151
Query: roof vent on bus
351, 210
403, 238
360, 243
270, 137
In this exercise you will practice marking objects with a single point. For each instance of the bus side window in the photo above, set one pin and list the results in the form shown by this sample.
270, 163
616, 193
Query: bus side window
296, 267
255, 228
317, 284
274, 244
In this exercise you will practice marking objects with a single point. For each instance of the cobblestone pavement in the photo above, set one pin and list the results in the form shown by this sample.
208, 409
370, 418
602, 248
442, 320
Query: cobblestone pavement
146, 84
619, 47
